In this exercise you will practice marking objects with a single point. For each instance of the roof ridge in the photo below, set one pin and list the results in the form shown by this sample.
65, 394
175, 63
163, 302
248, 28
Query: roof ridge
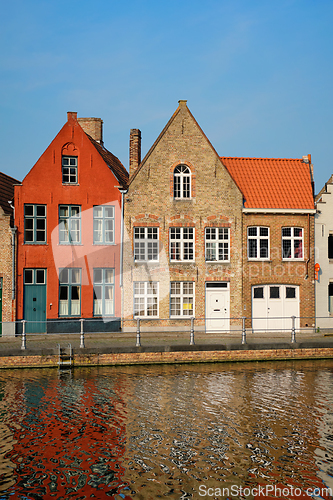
260, 158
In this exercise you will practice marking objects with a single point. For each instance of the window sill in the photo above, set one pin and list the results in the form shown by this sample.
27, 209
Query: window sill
217, 261
259, 260
182, 261
34, 243
293, 260
70, 184
105, 244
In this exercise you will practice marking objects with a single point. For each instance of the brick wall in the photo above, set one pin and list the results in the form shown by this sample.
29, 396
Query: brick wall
215, 201
278, 271
8, 305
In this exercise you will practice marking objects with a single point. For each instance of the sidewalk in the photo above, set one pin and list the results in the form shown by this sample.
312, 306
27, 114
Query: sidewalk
125, 342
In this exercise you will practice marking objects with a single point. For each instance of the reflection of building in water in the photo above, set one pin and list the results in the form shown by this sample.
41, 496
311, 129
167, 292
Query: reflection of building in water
324, 422
70, 440
11, 415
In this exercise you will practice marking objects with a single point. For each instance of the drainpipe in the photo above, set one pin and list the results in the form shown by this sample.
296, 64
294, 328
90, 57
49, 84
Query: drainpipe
123, 192
121, 266
307, 262
13, 230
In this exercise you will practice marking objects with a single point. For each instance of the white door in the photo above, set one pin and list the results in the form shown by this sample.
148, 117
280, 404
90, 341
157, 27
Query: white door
217, 307
272, 307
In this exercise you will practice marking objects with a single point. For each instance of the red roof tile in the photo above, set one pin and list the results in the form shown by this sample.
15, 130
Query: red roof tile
272, 182
7, 192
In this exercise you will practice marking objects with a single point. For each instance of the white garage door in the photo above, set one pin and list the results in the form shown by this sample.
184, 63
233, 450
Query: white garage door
273, 306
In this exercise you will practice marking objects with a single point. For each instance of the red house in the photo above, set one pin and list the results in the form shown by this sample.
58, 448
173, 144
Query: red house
68, 213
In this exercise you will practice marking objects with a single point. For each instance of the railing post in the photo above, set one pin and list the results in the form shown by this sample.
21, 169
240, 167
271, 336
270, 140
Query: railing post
82, 346
243, 331
138, 338
293, 331
192, 331
24, 338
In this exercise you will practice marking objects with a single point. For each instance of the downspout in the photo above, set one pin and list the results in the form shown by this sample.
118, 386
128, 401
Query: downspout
123, 192
307, 262
13, 230
121, 265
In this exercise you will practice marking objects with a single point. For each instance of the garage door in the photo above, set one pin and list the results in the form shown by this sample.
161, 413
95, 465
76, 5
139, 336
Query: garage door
273, 306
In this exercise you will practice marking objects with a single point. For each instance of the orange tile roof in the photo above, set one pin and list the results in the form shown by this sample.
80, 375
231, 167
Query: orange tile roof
272, 182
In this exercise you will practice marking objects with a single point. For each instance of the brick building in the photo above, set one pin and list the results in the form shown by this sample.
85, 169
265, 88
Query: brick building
216, 238
183, 238
7, 255
278, 240
68, 218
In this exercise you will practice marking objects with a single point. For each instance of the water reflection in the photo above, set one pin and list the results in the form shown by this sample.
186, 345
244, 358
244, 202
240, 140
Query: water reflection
162, 431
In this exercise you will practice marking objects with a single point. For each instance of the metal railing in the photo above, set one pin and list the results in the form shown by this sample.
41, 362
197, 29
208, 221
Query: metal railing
188, 325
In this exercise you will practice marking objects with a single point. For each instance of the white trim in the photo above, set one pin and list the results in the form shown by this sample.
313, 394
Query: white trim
279, 211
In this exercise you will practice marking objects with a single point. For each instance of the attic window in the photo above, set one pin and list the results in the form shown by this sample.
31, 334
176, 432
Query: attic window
182, 182
69, 169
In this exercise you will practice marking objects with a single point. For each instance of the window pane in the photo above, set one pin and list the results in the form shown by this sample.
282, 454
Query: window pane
40, 276
286, 249
252, 231
264, 231
263, 249
109, 211
64, 293
63, 276
29, 210
76, 275
290, 292
28, 276
98, 276
41, 210
286, 231
274, 292
109, 275
258, 293
252, 248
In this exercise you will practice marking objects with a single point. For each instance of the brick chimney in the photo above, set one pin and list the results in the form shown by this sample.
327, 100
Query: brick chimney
93, 127
134, 150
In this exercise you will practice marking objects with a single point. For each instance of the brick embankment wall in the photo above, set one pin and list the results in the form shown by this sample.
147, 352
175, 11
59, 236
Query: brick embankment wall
167, 357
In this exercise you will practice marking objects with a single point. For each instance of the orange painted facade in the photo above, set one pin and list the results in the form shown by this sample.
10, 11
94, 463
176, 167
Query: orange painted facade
99, 176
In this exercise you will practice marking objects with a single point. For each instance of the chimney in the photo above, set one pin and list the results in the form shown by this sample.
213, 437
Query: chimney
71, 115
134, 150
93, 127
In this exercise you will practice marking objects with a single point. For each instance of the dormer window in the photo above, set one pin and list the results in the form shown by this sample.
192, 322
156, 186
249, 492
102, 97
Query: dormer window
69, 169
182, 182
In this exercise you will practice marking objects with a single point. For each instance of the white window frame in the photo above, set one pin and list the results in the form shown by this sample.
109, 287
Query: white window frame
258, 238
182, 182
217, 239
146, 299
73, 306
181, 244
103, 279
70, 225
69, 169
182, 296
293, 239
37, 223
146, 244
104, 224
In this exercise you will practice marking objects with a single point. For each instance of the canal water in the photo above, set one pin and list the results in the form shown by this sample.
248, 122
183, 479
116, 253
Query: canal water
256, 430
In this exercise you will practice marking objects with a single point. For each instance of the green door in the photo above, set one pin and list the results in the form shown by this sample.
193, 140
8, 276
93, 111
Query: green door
35, 300
0, 307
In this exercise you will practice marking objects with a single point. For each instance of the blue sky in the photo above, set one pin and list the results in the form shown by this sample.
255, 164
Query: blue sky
257, 74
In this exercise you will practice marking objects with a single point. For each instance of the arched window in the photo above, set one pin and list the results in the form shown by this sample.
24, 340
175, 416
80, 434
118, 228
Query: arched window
182, 182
